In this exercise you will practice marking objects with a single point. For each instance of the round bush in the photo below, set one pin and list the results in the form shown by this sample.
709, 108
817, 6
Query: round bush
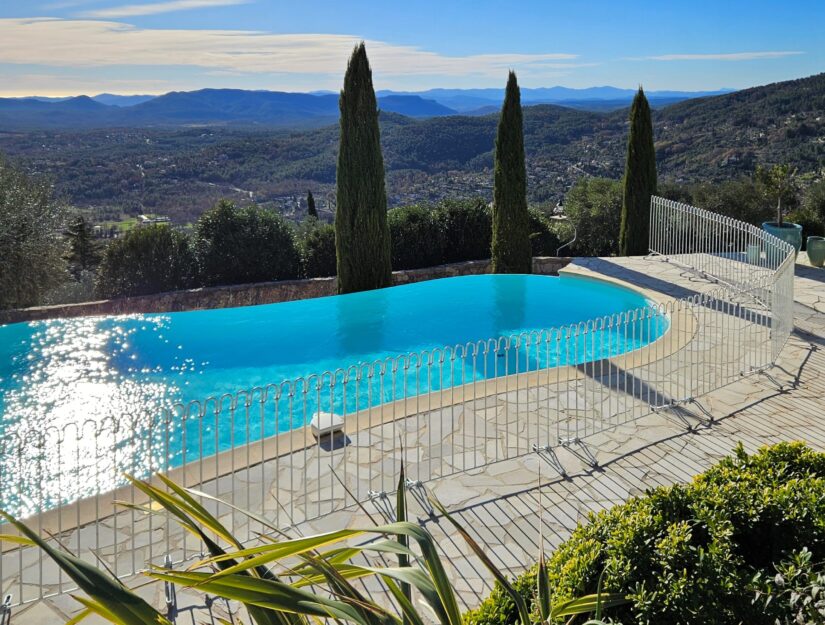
146, 260
690, 553
251, 244
318, 251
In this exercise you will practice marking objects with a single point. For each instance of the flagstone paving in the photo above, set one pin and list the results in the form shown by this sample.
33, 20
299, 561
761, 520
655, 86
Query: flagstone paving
514, 505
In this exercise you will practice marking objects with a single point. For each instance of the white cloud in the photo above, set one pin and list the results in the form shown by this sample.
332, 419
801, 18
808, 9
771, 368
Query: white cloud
155, 8
734, 56
92, 43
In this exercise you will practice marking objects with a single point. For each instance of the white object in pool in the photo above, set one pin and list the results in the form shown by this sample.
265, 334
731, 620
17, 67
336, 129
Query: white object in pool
327, 423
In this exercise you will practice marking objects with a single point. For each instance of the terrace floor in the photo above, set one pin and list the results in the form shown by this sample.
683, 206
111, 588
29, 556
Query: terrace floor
505, 504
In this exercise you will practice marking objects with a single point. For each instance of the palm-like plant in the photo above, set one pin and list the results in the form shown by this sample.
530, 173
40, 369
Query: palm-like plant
297, 581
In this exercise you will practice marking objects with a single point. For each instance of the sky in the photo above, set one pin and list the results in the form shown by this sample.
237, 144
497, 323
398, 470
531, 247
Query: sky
70, 47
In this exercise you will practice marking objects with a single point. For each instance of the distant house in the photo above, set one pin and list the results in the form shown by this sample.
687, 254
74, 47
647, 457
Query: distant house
146, 220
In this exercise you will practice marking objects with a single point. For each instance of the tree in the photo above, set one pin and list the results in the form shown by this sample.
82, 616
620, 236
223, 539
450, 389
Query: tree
311, 211
814, 201
84, 250
778, 185
148, 259
32, 247
639, 180
594, 208
238, 245
362, 237
510, 248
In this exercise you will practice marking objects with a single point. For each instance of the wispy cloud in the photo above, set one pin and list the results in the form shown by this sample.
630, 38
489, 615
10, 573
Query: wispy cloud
733, 56
155, 8
95, 43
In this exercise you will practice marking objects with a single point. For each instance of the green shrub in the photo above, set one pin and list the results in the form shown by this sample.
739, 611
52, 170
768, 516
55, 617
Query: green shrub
146, 260
318, 250
543, 238
689, 553
417, 237
467, 228
594, 208
251, 244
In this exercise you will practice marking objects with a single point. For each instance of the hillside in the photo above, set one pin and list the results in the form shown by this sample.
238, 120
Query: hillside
180, 172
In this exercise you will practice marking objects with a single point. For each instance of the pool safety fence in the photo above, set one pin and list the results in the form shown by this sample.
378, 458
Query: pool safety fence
440, 412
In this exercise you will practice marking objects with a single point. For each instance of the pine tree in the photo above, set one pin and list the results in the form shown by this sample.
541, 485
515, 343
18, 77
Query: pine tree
84, 250
311, 210
362, 237
511, 251
639, 180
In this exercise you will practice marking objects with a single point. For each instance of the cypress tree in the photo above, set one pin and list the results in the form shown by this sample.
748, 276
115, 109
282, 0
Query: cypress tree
511, 251
639, 180
362, 237
311, 211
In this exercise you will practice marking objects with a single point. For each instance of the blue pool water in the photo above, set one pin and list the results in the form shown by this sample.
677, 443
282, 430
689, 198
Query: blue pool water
127, 368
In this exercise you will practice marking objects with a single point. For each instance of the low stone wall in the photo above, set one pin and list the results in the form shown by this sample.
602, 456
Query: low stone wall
251, 294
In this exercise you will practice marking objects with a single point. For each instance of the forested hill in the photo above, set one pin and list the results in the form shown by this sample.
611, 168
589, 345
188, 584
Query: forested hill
781, 122
181, 172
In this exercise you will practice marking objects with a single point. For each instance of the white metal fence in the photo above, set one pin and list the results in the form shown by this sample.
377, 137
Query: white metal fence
440, 412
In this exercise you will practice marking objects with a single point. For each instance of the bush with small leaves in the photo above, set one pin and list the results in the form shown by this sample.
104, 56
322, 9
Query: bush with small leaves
689, 553
146, 260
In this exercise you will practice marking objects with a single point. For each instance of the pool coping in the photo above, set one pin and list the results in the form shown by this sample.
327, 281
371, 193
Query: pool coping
681, 330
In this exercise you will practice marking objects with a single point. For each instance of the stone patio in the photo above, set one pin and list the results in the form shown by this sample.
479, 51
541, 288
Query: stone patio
504, 493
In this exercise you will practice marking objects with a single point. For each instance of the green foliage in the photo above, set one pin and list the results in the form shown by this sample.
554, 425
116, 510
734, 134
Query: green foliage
594, 208
251, 244
543, 238
798, 587
145, 260
689, 553
510, 248
31, 248
362, 238
84, 250
467, 227
778, 184
639, 182
418, 237
318, 250
740, 198
814, 200
311, 210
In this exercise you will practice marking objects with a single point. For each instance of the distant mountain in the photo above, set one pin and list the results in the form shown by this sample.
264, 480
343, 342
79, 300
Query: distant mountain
591, 98
186, 170
112, 99
211, 107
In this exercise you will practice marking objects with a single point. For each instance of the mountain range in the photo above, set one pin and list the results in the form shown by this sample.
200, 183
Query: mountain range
273, 109
180, 171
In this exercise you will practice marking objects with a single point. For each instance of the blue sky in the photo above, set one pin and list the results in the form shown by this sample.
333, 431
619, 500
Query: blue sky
65, 47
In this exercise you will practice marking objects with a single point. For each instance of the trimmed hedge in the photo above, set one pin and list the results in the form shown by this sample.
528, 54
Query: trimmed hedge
692, 553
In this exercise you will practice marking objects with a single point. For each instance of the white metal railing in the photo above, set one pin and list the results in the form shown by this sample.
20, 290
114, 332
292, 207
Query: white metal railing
440, 412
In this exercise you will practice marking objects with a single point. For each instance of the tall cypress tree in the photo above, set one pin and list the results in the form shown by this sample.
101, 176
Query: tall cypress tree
311, 210
639, 180
362, 237
511, 251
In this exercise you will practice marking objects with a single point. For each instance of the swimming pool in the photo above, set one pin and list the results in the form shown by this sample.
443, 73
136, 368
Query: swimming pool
126, 370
